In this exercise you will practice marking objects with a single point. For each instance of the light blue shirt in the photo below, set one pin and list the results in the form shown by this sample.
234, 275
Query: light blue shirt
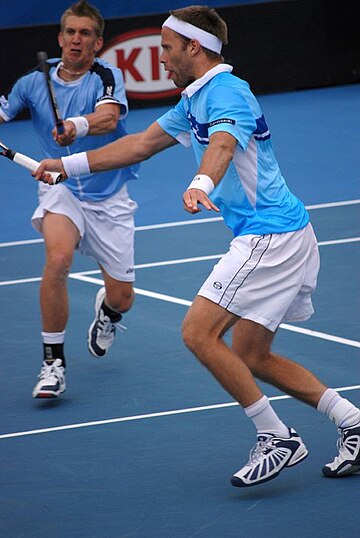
102, 84
252, 196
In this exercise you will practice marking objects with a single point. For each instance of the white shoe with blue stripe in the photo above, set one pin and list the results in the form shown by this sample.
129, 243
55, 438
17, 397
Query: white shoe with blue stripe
269, 457
51, 382
102, 331
348, 460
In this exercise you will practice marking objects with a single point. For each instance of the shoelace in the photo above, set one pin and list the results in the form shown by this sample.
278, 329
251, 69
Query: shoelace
257, 451
48, 369
107, 326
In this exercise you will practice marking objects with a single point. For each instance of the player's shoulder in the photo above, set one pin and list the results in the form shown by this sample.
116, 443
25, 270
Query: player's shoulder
36, 70
228, 87
101, 66
227, 79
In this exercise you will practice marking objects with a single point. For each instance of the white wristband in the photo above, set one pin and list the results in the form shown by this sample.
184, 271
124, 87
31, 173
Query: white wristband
76, 165
81, 125
202, 182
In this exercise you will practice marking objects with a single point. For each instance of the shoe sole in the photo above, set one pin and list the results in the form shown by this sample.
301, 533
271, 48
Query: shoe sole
238, 483
351, 468
48, 394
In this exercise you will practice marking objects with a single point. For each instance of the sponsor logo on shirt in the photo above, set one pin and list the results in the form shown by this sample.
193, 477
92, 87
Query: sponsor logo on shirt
222, 120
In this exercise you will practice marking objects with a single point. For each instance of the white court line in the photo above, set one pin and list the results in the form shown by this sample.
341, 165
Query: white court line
84, 277
190, 222
147, 416
20, 281
167, 262
185, 302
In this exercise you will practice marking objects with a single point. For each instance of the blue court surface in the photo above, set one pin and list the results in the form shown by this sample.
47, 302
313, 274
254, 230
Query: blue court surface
143, 443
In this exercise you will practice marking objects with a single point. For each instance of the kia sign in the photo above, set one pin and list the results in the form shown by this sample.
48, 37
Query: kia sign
137, 54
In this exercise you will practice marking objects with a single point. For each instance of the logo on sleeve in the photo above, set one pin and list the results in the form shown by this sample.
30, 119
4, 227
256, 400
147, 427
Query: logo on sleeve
222, 120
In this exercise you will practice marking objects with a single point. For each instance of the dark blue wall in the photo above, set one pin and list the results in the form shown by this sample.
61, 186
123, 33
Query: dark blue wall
279, 45
32, 12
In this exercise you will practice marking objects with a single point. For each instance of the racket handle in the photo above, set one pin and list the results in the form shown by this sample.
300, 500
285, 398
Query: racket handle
31, 164
60, 127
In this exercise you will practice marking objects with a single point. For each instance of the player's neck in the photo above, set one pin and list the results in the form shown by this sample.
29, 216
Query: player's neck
69, 74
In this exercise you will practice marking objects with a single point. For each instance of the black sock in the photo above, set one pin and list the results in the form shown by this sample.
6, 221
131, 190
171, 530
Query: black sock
110, 313
53, 352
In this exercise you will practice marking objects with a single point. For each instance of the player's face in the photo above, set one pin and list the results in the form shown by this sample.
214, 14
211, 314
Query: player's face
79, 42
176, 59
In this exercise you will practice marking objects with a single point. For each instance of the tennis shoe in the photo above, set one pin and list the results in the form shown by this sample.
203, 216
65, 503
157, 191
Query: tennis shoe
348, 460
269, 457
102, 331
51, 380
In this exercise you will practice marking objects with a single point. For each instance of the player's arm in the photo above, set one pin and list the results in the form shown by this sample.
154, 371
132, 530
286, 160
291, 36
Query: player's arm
125, 151
102, 121
214, 164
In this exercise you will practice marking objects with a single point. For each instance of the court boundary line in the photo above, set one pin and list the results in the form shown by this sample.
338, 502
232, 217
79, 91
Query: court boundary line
83, 276
326, 205
186, 302
146, 416
169, 262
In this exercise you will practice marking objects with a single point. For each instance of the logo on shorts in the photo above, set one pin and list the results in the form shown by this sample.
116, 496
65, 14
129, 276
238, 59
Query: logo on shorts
130, 270
217, 285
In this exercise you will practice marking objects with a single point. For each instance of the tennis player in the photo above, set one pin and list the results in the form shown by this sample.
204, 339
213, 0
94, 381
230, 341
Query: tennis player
270, 271
93, 213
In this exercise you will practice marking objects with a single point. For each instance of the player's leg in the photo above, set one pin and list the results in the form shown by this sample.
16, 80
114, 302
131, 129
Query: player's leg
112, 301
297, 381
61, 238
278, 446
286, 375
110, 240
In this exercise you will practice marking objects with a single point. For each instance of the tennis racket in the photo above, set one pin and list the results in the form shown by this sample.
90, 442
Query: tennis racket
44, 66
26, 162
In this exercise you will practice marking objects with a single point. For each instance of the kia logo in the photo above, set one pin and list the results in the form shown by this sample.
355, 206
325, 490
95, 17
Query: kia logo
137, 54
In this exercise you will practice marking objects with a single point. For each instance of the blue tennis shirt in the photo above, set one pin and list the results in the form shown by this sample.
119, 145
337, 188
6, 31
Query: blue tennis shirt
102, 84
253, 196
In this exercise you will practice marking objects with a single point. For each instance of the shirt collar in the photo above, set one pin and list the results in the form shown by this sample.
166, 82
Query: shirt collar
200, 82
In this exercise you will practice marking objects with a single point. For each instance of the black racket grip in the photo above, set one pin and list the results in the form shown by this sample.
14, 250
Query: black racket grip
60, 127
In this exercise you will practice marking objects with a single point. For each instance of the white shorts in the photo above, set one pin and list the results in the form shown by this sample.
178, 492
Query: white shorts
267, 278
106, 228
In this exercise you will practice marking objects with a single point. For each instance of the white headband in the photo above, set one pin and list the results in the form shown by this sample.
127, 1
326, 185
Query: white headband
207, 40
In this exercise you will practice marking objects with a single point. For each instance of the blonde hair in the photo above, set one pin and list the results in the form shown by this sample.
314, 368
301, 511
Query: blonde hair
83, 9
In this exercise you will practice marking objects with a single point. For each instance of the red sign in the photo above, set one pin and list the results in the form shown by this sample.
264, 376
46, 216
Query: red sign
137, 54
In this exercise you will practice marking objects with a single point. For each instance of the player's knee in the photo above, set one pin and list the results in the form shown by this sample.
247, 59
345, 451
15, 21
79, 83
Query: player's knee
193, 337
121, 302
256, 361
59, 264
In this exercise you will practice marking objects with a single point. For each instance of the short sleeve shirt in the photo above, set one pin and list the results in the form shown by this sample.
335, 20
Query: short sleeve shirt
253, 196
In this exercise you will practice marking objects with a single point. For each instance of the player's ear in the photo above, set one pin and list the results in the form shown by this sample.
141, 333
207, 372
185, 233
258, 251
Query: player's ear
60, 39
98, 44
194, 46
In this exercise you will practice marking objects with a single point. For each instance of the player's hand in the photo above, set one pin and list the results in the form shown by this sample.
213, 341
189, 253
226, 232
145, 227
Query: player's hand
49, 165
68, 136
193, 197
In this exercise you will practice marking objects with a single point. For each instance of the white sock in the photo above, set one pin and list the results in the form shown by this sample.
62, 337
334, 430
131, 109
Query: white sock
338, 409
265, 419
53, 338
